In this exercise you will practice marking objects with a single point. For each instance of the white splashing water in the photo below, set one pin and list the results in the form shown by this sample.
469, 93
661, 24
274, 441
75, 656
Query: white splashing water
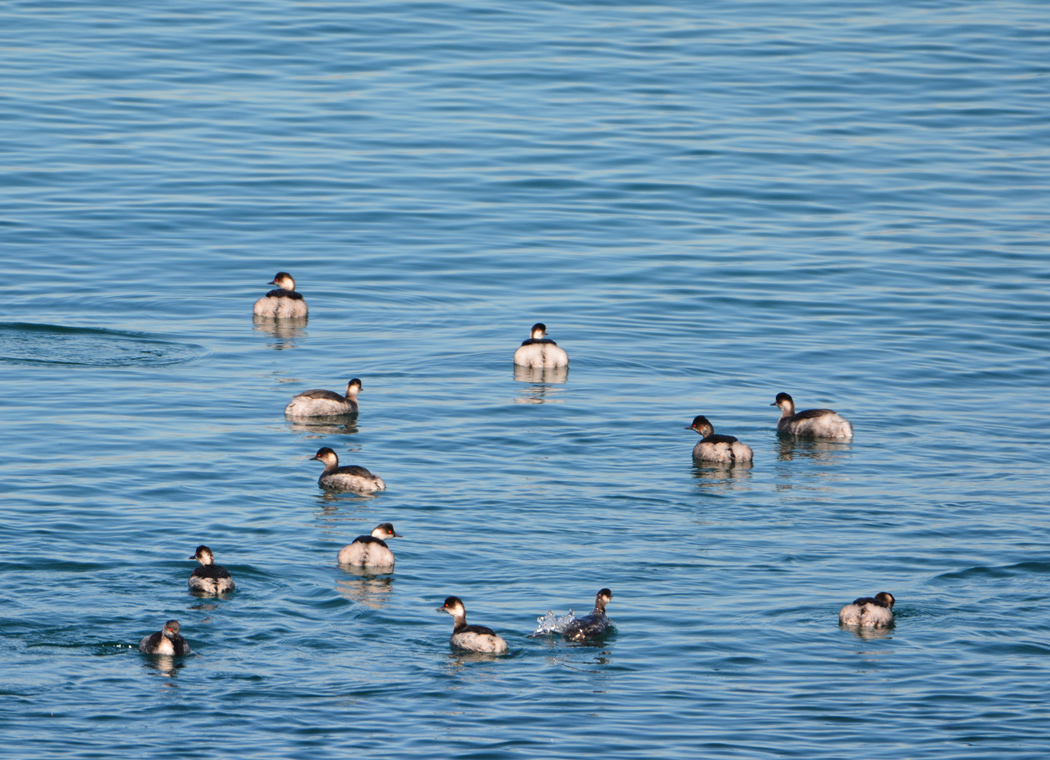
551, 623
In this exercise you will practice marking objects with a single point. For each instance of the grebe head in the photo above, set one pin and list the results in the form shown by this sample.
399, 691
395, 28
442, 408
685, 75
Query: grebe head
326, 455
453, 606
283, 280
885, 598
602, 598
204, 556
386, 530
702, 426
539, 330
785, 402
171, 629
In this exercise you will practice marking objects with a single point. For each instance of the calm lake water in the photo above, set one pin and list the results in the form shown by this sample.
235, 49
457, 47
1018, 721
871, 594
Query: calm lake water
706, 203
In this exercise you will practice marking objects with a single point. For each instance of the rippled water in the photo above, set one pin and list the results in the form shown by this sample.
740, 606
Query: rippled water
706, 204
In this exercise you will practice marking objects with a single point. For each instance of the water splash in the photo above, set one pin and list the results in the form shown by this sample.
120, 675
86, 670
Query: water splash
551, 623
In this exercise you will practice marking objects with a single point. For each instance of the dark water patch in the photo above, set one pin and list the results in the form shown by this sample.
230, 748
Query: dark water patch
24, 343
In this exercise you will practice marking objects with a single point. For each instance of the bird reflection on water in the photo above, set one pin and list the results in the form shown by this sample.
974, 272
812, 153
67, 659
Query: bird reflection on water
541, 379
283, 331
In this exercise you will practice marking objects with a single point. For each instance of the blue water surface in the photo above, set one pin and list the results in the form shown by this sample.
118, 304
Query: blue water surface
706, 203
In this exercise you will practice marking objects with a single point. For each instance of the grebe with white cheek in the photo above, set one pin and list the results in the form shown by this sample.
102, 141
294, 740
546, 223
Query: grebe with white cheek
283, 302
817, 423
165, 641
322, 403
370, 551
540, 351
869, 612
722, 449
591, 626
474, 638
209, 578
348, 478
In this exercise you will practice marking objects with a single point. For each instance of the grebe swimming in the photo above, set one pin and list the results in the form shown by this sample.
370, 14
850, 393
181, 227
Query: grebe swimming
370, 551
322, 403
282, 302
591, 626
540, 351
475, 638
723, 449
818, 423
165, 641
868, 612
209, 578
348, 478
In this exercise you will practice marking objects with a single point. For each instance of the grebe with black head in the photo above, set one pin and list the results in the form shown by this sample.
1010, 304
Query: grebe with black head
283, 302
322, 403
591, 626
815, 423
209, 578
869, 612
350, 477
721, 449
540, 351
370, 551
165, 641
474, 638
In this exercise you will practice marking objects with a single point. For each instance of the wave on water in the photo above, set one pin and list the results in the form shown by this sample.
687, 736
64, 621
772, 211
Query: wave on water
23, 343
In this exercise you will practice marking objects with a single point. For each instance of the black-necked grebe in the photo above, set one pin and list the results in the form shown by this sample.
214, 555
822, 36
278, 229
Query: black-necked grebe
283, 302
723, 449
322, 403
540, 351
868, 612
165, 641
348, 478
475, 638
370, 551
209, 578
818, 423
591, 626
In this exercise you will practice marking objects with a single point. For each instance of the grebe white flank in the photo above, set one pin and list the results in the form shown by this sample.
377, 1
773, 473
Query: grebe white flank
722, 449
540, 351
475, 638
868, 612
282, 302
818, 423
322, 403
348, 478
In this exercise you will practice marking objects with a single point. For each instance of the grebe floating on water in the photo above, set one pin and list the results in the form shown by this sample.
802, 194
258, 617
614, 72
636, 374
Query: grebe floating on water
209, 578
370, 551
348, 478
475, 638
322, 403
283, 302
540, 351
165, 641
818, 423
723, 449
590, 626
868, 612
